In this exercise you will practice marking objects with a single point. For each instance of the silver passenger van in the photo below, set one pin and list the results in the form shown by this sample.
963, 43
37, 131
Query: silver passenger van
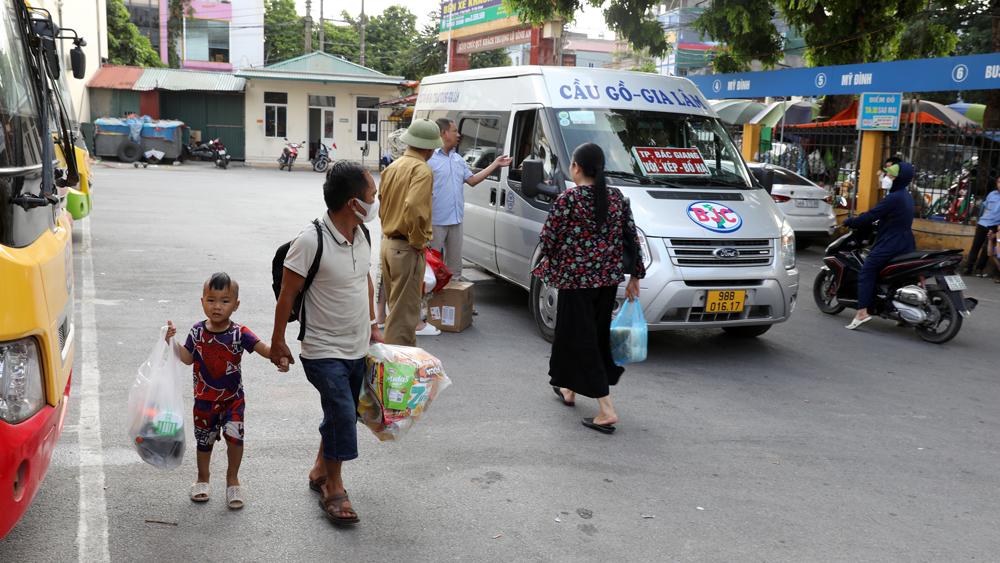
718, 252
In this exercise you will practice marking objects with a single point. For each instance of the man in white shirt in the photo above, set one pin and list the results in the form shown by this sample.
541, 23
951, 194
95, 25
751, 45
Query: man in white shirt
451, 173
338, 314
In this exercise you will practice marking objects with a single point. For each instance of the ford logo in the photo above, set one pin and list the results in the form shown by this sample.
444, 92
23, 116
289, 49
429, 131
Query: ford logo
726, 253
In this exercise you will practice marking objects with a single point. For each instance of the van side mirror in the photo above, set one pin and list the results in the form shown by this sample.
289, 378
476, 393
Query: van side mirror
532, 174
767, 179
78, 61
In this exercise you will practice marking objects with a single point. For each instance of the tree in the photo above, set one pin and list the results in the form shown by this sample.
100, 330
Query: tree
126, 46
425, 55
387, 36
284, 31
749, 32
631, 19
341, 40
489, 59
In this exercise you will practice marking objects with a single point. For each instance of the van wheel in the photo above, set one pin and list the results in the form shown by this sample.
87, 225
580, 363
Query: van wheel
543, 303
746, 331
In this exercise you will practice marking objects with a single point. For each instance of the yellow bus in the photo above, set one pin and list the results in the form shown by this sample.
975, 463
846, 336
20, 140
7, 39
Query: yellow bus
36, 252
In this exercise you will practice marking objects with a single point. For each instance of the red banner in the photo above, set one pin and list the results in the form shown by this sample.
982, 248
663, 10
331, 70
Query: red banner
656, 161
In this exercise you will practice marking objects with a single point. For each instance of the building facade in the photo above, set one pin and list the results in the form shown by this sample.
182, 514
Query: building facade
219, 35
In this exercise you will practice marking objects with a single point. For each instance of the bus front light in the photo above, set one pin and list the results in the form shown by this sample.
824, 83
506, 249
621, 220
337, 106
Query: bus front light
21, 391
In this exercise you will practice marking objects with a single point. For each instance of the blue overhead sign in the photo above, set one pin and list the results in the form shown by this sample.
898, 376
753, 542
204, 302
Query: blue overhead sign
879, 111
974, 72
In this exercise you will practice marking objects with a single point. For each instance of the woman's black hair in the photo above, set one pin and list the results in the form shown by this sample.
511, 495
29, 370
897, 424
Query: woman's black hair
590, 158
344, 182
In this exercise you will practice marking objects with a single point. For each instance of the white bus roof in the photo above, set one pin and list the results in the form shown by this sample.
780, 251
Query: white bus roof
560, 87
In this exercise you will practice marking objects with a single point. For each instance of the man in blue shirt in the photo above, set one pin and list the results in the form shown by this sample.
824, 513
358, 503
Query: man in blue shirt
451, 173
989, 219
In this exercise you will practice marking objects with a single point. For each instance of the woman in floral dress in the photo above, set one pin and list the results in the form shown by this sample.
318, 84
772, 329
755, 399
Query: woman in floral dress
583, 249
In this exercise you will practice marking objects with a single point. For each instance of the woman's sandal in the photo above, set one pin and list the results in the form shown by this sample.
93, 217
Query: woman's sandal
317, 484
199, 492
234, 497
562, 397
334, 506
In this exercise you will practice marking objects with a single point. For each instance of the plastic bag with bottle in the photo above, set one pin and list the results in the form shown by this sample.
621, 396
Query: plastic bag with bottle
156, 407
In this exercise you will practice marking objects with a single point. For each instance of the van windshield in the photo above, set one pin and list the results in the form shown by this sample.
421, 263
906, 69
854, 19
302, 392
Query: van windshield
669, 149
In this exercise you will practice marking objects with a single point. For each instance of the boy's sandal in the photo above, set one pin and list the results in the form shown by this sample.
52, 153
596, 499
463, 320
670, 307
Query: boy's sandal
234, 497
199, 492
317, 484
333, 506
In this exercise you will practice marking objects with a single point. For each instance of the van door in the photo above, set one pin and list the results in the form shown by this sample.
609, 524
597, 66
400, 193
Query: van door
480, 144
519, 219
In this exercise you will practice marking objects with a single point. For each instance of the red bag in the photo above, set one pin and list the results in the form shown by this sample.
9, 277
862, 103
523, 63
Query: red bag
441, 272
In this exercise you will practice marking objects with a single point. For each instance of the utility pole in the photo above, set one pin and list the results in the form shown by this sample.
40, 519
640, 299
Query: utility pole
362, 33
309, 28
322, 28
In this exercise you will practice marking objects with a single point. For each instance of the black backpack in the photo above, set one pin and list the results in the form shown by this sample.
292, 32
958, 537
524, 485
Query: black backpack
278, 269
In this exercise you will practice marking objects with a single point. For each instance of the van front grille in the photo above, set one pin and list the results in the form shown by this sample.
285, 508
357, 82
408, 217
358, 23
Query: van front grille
708, 253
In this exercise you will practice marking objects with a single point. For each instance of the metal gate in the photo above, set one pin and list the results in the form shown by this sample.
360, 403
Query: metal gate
215, 115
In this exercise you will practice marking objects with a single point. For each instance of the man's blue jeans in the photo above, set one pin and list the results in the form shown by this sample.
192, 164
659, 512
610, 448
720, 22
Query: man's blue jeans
339, 384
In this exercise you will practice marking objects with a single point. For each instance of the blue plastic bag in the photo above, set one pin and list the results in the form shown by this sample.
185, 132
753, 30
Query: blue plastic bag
629, 334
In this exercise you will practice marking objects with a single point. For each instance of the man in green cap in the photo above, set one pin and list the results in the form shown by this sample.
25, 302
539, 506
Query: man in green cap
405, 210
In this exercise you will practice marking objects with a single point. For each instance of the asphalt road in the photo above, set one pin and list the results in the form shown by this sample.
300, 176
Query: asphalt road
811, 443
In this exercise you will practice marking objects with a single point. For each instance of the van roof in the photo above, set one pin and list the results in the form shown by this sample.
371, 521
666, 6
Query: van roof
561, 87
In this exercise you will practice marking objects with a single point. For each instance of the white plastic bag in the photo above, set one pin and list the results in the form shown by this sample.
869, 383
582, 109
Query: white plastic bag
429, 279
400, 384
156, 408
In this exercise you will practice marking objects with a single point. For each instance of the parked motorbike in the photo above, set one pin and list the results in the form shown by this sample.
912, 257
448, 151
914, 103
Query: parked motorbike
918, 289
210, 151
289, 154
321, 161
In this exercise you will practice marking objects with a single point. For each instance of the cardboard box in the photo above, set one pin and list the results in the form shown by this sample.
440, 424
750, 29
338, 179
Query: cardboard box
451, 309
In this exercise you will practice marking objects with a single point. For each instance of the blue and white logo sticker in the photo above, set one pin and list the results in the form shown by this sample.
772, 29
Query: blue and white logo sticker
715, 216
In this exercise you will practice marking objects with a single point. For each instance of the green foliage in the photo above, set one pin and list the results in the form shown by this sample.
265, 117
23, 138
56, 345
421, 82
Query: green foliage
387, 36
749, 32
340, 40
284, 31
631, 19
645, 66
126, 46
489, 59
176, 11
425, 55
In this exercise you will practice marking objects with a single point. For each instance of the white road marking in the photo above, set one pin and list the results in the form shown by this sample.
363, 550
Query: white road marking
92, 531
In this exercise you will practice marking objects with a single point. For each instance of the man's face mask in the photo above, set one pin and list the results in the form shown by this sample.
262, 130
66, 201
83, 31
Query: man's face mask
886, 182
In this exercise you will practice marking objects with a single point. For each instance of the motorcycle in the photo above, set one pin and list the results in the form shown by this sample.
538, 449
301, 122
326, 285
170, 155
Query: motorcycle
321, 161
213, 150
289, 154
919, 289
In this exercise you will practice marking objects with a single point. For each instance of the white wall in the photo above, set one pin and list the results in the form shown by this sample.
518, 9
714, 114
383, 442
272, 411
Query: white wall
265, 150
246, 34
89, 19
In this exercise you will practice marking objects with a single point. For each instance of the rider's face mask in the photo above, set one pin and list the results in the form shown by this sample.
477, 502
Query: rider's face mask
886, 182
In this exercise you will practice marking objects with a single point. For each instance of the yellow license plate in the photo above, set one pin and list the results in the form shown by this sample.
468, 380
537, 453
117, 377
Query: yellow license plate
725, 301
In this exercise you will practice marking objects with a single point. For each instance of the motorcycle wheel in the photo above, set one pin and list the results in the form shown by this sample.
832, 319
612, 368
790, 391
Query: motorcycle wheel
321, 165
947, 326
821, 293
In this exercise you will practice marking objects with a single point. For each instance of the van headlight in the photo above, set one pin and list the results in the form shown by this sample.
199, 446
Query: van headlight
787, 245
21, 391
647, 258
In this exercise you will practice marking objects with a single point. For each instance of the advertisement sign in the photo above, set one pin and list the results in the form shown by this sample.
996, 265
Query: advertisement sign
669, 160
461, 13
973, 72
495, 41
879, 111
715, 217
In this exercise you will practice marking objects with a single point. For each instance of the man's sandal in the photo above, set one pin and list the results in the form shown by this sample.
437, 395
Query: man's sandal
333, 506
199, 492
234, 497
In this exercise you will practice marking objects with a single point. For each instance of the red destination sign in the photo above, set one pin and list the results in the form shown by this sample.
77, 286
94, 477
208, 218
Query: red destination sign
668, 160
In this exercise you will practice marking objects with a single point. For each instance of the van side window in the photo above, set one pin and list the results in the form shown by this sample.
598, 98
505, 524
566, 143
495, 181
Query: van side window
530, 141
480, 142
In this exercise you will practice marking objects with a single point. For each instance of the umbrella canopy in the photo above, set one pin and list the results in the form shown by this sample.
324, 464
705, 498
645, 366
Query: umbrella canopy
947, 115
972, 111
794, 113
736, 112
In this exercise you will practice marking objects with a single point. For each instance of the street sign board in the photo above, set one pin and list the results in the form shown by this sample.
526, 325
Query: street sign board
879, 111
972, 72
461, 13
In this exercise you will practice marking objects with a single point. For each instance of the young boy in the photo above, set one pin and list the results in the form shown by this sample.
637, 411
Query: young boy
215, 346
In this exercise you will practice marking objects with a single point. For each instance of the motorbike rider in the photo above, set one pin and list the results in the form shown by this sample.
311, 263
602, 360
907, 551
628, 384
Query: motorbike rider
895, 232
